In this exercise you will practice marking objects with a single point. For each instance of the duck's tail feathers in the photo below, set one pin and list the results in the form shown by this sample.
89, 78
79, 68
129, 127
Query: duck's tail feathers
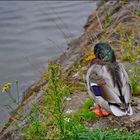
118, 112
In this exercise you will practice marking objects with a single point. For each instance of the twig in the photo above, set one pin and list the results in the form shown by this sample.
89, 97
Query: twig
99, 21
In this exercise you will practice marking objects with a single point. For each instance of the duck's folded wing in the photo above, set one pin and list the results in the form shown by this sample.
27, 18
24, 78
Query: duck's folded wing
114, 84
126, 88
99, 74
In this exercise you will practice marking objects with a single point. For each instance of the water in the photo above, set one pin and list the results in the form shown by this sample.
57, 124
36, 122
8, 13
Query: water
28, 31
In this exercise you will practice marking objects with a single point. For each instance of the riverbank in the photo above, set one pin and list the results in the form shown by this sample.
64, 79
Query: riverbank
111, 21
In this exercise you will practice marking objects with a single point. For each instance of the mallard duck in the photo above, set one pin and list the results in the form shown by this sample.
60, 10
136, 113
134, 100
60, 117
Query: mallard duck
108, 83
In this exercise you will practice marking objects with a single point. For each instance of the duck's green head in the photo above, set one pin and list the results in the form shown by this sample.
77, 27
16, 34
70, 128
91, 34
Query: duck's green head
104, 52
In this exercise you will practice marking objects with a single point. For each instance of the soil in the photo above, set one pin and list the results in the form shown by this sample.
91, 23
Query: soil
129, 123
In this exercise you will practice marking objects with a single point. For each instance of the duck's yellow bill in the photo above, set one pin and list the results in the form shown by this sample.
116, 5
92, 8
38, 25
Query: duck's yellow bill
90, 57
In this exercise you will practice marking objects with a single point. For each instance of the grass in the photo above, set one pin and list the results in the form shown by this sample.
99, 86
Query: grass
108, 21
125, 1
109, 135
130, 51
135, 78
138, 13
85, 114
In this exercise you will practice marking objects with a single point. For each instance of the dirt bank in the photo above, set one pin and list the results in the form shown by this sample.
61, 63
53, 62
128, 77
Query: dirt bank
105, 24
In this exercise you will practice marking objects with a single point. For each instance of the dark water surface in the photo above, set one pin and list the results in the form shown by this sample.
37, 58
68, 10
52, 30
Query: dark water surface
28, 33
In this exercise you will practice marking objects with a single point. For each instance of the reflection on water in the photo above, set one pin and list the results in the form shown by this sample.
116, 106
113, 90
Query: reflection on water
29, 32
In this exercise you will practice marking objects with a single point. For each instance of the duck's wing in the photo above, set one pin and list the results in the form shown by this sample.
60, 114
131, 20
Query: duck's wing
93, 79
114, 87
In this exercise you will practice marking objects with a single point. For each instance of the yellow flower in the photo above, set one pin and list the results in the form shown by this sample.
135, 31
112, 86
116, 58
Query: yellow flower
90, 57
6, 86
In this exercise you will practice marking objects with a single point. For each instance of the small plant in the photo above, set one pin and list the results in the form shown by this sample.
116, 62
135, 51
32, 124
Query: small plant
37, 128
54, 118
85, 114
14, 98
108, 21
130, 52
135, 77
56, 90
138, 13
125, 1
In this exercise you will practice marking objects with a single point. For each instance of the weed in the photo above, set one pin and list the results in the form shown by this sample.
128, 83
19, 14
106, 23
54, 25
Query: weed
7, 90
81, 88
138, 13
135, 77
36, 128
108, 21
85, 115
53, 108
125, 1
130, 51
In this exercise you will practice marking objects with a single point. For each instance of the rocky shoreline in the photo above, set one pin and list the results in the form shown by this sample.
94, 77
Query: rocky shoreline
103, 25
